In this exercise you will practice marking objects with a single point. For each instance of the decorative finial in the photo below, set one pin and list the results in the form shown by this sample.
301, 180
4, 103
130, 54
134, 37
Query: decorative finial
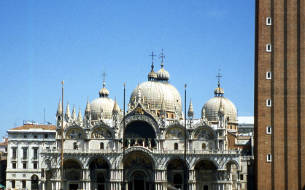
152, 60
162, 56
190, 112
104, 79
219, 76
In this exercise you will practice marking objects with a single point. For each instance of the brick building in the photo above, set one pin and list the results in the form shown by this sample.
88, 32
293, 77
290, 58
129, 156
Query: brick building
280, 94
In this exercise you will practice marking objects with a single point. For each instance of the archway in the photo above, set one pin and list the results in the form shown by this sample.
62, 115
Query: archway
140, 133
99, 174
177, 173
34, 182
139, 171
232, 170
72, 175
205, 174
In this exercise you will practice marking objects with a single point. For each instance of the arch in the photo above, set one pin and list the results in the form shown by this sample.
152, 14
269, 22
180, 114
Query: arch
230, 162
139, 170
142, 129
174, 131
206, 159
176, 170
72, 174
99, 173
74, 132
205, 174
101, 132
145, 117
34, 182
204, 132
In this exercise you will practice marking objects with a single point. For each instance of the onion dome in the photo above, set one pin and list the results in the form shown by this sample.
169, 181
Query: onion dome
101, 108
190, 112
152, 75
154, 94
162, 74
219, 105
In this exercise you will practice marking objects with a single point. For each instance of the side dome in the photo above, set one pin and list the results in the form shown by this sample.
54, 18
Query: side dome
102, 107
217, 104
158, 96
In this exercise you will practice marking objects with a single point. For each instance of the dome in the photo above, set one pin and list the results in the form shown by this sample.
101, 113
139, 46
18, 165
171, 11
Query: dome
218, 104
162, 74
102, 107
153, 94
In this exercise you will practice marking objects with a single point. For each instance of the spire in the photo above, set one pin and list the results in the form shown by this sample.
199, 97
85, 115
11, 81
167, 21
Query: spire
190, 112
88, 111
79, 117
104, 92
116, 108
68, 114
74, 113
59, 109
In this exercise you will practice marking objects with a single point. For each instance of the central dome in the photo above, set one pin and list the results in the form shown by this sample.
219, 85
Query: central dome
157, 96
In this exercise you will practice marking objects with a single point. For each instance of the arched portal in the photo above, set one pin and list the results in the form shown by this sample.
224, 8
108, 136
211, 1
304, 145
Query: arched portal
177, 173
99, 174
72, 175
140, 133
139, 171
205, 174
232, 170
34, 182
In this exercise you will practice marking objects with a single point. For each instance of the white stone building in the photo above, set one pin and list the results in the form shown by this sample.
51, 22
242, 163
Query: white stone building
24, 158
143, 149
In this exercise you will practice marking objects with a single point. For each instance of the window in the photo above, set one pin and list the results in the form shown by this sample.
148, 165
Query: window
24, 165
176, 146
268, 75
14, 165
35, 165
268, 21
13, 184
35, 153
269, 157
75, 146
268, 130
35, 136
14, 150
23, 184
25, 136
268, 102
268, 48
25, 152
241, 177
101, 145
46, 136
204, 146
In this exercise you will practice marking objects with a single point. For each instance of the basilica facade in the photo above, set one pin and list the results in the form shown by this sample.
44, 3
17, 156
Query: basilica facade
153, 145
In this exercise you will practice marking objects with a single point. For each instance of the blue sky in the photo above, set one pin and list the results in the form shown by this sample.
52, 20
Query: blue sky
44, 42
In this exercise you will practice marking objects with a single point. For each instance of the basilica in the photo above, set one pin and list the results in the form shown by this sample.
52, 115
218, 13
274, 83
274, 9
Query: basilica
155, 144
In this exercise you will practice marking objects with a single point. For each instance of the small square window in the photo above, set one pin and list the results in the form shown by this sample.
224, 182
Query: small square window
269, 158
268, 102
35, 165
46, 136
176, 146
241, 177
35, 136
25, 136
268, 130
24, 165
13, 184
268, 48
14, 165
268, 21
268, 75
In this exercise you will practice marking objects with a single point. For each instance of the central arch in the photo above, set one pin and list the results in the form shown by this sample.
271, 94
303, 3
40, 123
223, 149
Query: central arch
139, 171
140, 133
72, 174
